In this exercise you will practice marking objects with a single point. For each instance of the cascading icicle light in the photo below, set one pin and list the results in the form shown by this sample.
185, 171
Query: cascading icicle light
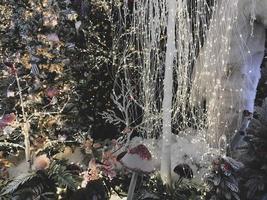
211, 52
140, 43
212, 61
212, 72
228, 68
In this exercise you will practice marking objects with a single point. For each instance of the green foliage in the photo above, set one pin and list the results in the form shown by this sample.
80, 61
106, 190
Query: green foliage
36, 192
180, 190
41, 184
62, 177
253, 178
30, 185
18, 182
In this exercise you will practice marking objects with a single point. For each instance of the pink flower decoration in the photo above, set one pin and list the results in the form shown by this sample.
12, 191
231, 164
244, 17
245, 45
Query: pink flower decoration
91, 174
108, 169
109, 156
7, 119
109, 160
51, 92
41, 162
86, 179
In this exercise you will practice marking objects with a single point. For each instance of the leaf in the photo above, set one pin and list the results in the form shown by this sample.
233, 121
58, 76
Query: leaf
227, 195
47, 196
251, 191
233, 187
235, 195
232, 183
216, 179
35, 70
17, 182
29, 191
78, 25
36, 192
63, 177
234, 164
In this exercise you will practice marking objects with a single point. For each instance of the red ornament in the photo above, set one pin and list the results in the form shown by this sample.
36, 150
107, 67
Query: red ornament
226, 167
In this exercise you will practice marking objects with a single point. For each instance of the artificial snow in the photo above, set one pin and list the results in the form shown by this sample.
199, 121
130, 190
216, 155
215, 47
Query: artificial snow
188, 148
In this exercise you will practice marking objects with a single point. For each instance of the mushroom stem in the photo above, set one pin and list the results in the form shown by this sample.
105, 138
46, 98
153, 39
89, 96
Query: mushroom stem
132, 186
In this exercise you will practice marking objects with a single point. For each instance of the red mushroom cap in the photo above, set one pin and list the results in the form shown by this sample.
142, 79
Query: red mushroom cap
138, 159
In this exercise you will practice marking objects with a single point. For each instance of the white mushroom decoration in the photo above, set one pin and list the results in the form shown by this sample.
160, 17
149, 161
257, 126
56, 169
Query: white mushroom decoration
138, 160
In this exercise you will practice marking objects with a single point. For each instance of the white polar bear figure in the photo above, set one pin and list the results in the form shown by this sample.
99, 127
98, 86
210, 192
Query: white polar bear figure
227, 70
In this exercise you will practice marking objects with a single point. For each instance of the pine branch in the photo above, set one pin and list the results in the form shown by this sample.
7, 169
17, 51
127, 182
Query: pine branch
9, 144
